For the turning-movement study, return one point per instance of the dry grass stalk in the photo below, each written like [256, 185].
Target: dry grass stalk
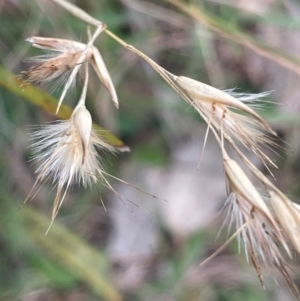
[77, 12]
[256, 227]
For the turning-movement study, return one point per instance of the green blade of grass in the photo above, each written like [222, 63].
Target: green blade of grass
[233, 33]
[71, 252]
[47, 102]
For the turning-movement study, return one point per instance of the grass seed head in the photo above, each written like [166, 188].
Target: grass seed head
[215, 106]
[202, 92]
[240, 184]
[258, 230]
[259, 237]
[64, 58]
[66, 154]
[63, 150]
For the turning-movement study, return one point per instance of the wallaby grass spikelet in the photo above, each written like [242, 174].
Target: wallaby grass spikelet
[65, 61]
[204, 93]
[261, 235]
[216, 107]
[66, 152]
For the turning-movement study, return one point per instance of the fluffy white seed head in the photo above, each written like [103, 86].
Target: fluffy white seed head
[65, 153]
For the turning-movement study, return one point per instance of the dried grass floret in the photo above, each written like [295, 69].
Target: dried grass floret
[225, 111]
[65, 61]
[259, 238]
[57, 68]
[240, 184]
[202, 92]
[66, 152]
[241, 128]
[62, 59]
[258, 230]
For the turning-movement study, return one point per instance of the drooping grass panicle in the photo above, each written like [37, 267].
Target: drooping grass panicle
[229, 118]
[286, 211]
[257, 229]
